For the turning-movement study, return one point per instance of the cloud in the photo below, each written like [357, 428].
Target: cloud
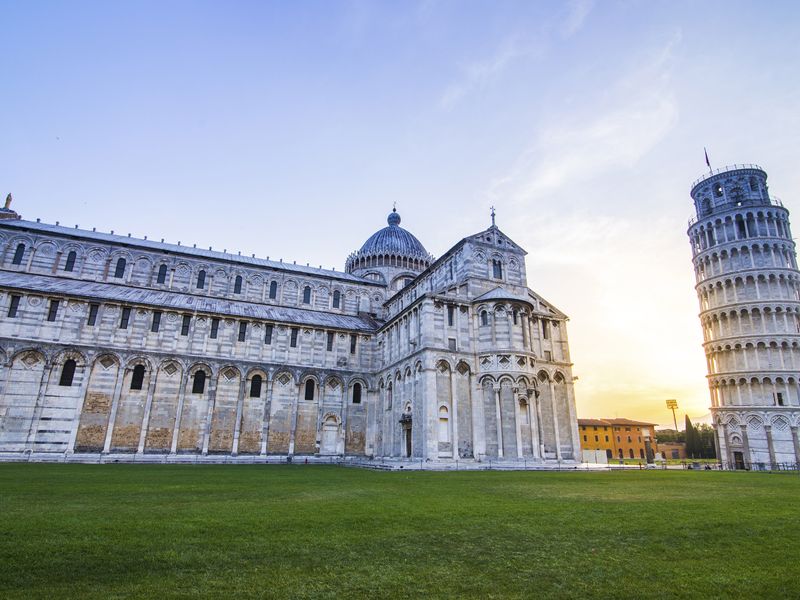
[480, 74]
[642, 110]
[577, 11]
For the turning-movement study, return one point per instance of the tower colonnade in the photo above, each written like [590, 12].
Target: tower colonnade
[748, 289]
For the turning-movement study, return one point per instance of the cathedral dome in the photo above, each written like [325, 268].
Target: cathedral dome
[391, 246]
[394, 240]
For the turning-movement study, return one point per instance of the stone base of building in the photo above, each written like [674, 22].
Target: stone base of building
[388, 464]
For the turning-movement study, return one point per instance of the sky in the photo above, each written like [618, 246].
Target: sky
[290, 129]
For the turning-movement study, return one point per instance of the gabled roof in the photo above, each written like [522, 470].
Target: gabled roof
[500, 293]
[494, 237]
[615, 421]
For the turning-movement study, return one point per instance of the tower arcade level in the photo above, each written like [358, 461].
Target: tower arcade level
[748, 288]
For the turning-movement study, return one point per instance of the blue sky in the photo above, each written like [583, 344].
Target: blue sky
[290, 129]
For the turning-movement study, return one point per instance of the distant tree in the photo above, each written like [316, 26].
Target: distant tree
[666, 436]
[693, 449]
[705, 436]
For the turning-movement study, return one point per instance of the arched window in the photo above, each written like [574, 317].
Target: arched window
[119, 272]
[630, 452]
[641, 453]
[199, 383]
[309, 389]
[255, 386]
[753, 184]
[67, 373]
[137, 380]
[237, 285]
[717, 193]
[444, 424]
[497, 269]
[273, 290]
[337, 298]
[307, 295]
[356, 393]
[18, 254]
[70, 265]
[162, 274]
[201, 279]
[484, 318]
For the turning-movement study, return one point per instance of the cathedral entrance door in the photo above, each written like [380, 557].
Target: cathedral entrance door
[738, 459]
[330, 436]
[407, 436]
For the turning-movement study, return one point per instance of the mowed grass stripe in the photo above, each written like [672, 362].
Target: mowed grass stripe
[163, 531]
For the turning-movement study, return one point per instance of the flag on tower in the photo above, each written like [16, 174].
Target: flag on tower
[708, 163]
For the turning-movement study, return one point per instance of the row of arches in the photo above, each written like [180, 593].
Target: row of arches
[740, 226]
[757, 256]
[745, 288]
[754, 391]
[138, 404]
[358, 261]
[722, 324]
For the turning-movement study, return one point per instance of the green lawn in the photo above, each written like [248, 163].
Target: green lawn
[155, 531]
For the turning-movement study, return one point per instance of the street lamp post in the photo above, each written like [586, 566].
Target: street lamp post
[673, 406]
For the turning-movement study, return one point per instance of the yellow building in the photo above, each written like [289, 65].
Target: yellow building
[619, 438]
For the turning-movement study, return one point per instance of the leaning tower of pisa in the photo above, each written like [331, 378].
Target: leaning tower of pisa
[748, 286]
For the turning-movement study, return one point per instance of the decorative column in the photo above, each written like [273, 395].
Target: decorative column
[496, 388]
[772, 461]
[179, 413]
[237, 428]
[293, 417]
[454, 406]
[796, 444]
[555, 419]
[266, 418]
[212, 401]
[533, 424]
[76, 421]
[518, 431]
[148, 405]
[114, 406]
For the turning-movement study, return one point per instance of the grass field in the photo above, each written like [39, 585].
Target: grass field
[155, 531]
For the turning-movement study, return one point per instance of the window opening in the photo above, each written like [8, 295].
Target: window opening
[214, 328]
[137, 379]
[67, 373]
[119, 272]
[53, 311]
[255, 386]
[14, 306]
[70, 264]
[156, 321]
[199, 383]
[93, 310]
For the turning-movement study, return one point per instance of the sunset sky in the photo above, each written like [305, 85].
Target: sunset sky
[289, 129]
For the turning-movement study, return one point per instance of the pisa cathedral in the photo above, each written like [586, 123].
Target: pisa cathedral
[748, 286]
[117, 348]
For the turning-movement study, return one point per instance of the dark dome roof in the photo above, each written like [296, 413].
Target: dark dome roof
[394, 240]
